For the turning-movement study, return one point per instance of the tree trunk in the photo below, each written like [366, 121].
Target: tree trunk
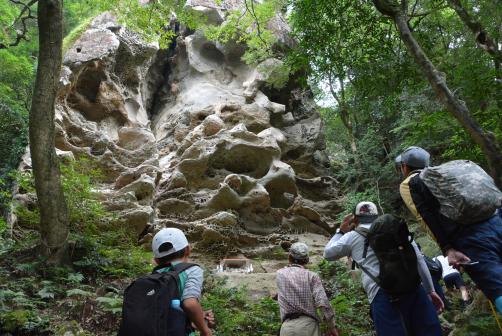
[54, 223]
[345, 114]
[456, 107]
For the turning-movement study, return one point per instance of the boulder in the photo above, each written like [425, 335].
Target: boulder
[136, 219]
[142, 188]
[259, 76]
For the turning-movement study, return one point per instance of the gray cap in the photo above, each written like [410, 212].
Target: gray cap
[299, 251]
[168, 235]
[415, 157]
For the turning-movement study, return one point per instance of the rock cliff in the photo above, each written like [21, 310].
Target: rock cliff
[192, 137]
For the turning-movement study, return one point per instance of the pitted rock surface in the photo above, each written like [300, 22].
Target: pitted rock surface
[193, 138]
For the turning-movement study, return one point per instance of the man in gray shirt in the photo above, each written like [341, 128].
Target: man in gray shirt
[414, 314]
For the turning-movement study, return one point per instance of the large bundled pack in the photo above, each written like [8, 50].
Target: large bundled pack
[467, 194]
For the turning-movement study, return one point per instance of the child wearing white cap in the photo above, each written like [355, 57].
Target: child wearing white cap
[170, 247]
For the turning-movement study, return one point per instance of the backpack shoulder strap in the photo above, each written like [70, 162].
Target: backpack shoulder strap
[372, 277]
[364, 232]
[181, 267]
[178, 268]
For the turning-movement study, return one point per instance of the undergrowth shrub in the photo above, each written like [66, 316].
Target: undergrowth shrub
[78, 181]
[347, 297]
[101, 252]
[236, 314]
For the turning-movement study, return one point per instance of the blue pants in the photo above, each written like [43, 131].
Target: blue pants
[483, 243]
[415, 310]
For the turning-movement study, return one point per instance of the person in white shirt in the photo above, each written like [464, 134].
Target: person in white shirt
[453, 279]
[413, 313]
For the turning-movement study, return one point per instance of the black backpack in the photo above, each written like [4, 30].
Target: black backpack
[147, 310]
[390, 240]
[434, 266]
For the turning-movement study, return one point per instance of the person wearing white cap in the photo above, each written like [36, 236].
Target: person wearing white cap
[170, 247]
[300, 294]
[416, 314]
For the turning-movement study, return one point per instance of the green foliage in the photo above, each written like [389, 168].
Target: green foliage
[16, 76]
[347, 298]
[10, 24]
[477, 324]
[236, 314]
[153, 21]
[15, 90]
[377, 86]
[278, 74]
[73, 327]
[3, 226]
[112, 304]
[122, 261]
[22, 320]
[85, 209]
[16, 82]
[78, 12]
[29, 288]
[78, 292]
[84, 206]
[247, 25]
[18, 308]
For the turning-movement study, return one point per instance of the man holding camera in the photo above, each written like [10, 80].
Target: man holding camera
[410, 313]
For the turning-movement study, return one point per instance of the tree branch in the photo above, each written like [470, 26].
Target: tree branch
[483, 40]
[457, 108]
[332, 89]
[253, 14]
[20, 34]
[427, 12]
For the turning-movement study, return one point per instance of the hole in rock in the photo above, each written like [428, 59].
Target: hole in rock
[89, 81]
[282, 192]
[294, 154]
[79, 50]
[244, 159]
[210, 52]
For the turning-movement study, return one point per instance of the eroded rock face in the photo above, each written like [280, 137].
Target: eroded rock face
[193, 138]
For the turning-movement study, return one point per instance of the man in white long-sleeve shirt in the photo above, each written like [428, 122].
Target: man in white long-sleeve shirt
[410, 314]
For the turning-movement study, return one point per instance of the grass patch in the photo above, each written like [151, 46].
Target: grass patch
[348, 299]
[236, 314]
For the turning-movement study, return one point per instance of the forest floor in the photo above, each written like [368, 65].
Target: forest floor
[85, 298]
